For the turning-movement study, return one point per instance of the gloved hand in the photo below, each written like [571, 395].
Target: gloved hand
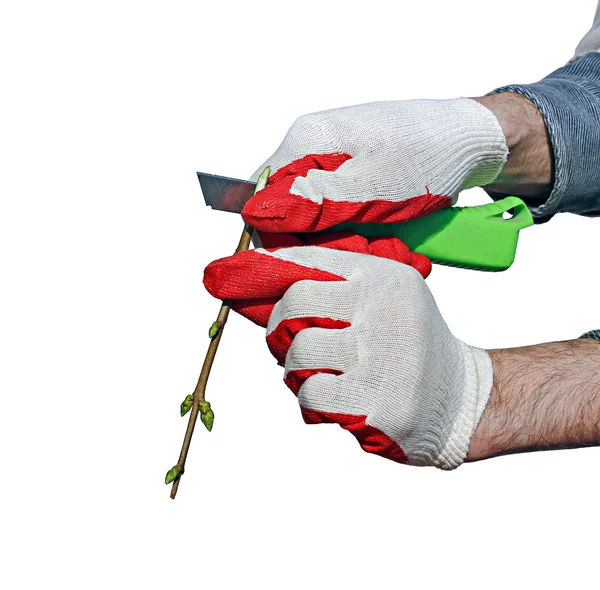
[364, 346]
[377, 162]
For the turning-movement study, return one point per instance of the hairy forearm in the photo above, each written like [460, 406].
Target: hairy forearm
[528, 170]
[543, 397]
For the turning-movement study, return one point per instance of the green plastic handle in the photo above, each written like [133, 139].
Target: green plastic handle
[469, 237]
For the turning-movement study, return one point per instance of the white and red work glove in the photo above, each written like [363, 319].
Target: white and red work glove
[364, 346]
[377, 162]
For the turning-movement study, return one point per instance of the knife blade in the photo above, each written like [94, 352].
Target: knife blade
[224, 193]
[479, 238]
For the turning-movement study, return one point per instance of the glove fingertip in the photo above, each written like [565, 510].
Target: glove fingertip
[225, 278]
[267, 206]
[392, 248]
[421, 263]
[214, 274]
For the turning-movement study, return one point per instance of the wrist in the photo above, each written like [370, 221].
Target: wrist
[489, 439]
[476, 385]
[528, 169]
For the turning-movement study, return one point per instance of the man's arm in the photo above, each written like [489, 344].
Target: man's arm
[554, 160]
[543, 397]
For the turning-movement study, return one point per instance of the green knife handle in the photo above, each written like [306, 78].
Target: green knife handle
[469, 237]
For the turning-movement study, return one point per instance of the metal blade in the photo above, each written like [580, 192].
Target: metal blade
[223, 193]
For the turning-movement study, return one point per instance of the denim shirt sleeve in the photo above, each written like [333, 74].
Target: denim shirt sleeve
[569, 102]
[593, 334]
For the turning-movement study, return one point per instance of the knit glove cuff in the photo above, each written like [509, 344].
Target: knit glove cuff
[478, 375]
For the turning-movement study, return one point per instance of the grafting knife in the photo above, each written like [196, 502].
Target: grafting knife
[479, 237]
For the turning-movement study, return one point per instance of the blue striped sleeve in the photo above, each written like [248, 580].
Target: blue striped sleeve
[569, 101]
[593, 334]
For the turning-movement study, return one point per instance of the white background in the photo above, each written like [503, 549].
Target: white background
[108, 109]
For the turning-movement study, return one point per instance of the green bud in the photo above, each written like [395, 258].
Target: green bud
[186, 405]
[204, 406]
[214, 330]
[172, 474]
[208, 419]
